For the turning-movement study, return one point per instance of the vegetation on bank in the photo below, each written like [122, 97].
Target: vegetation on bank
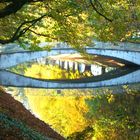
[86, 113]
[14, 129]
[44, 71]
[18, 123]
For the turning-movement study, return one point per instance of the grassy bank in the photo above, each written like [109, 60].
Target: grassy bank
[18, 123]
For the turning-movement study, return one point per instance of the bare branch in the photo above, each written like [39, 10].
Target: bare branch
[19, 32]
[44, 35]
[93, 6]
[13, 7]
[4, 1]
[98, 3]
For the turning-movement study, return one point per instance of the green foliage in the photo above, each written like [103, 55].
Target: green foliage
[86, 134]
[63, 22]
[19, 68]
[85, 114]
[112, 116]
[115, 116]
[72, 21]
[20, 128]
[125, 16]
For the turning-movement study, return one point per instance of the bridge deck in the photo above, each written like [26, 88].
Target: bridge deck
[97, 44]
[124, 52]
[12, 59]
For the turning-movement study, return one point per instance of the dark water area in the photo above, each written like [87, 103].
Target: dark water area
[80, 111]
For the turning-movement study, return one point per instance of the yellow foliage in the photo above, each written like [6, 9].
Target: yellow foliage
[52, 72]
[64, 114]
[45, 72]
[111, 98]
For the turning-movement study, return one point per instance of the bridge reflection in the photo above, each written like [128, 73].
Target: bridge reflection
[73, 66]
[116, 77]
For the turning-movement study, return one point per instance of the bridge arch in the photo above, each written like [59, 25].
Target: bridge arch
[108, 80]
[125, 56]
[11, 59]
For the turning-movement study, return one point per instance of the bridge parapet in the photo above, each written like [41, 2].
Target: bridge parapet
[117, 45]
[11, 59]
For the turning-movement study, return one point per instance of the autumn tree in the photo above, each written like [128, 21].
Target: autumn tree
[75, 22]
[112, 116]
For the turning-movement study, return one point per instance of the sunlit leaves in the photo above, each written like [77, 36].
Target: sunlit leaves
[51, 72]
[75, 22]
[115, 116]
[102, 115]
[64, 114]
[125, 20]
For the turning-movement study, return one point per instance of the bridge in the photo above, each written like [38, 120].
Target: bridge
[11, 59]
[124, 77]
[128, 56]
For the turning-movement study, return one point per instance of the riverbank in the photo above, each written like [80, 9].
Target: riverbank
[18, 123]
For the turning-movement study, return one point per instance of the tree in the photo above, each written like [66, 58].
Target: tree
[115, 116]
[42, 71]
[72, 21]
[45, 21]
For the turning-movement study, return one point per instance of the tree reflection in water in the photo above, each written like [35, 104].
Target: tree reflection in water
[105, 113]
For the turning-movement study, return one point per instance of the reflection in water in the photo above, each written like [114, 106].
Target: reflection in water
[120, 76]
[44, 68]
[105, 113]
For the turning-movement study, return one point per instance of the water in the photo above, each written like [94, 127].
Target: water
[44, 68]
[84, 113]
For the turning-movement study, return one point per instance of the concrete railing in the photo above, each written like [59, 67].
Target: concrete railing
[12, 59]
[11, 79]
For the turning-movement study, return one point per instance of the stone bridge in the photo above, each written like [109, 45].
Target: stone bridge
[125, 76]
[11, 59]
